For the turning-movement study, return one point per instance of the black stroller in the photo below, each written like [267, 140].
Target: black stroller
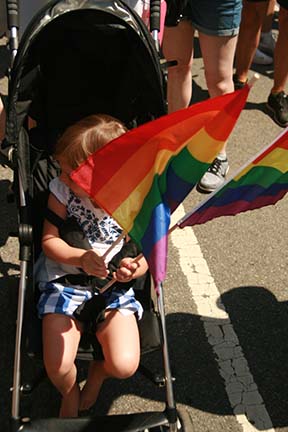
[79, 57]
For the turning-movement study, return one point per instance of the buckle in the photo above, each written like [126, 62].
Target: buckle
[93, 283]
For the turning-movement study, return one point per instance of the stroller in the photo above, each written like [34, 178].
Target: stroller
[79, 57]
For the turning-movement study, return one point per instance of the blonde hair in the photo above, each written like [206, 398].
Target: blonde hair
[86, 136]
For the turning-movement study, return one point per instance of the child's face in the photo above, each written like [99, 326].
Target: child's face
[65, 177]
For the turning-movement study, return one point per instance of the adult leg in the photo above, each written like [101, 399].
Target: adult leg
[253, 14]
[280, 56]
[61, 336]
[218, 55]
[277, 104]
[119, 338]
[178, 45]
[265, 52]
[268, 19]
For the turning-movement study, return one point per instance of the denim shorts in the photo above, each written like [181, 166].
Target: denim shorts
[214, 17]
[283, 3]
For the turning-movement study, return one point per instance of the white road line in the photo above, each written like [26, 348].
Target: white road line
[242, 391]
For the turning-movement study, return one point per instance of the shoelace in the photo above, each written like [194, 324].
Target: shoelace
[215, 167]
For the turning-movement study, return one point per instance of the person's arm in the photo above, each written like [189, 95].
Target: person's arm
[58, 250]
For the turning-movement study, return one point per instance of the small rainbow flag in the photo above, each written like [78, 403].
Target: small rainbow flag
[261, 182]
[142, 176]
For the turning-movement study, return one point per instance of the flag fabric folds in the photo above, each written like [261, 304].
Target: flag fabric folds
[262, 182]
[142, 176]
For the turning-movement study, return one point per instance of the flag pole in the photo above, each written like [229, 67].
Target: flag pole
[252, 80]
[115, 243]
[236, 173]
[107, 286]
[104, 256]
[112, 281]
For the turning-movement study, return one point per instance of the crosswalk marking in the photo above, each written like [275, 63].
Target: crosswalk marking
[242, 391]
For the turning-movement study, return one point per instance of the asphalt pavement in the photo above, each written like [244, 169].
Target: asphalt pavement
[242, 260]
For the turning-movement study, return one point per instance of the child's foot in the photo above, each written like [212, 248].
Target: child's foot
[91, 389]
[70, 403]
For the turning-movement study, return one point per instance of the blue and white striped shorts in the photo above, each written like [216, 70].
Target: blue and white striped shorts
[57, 298]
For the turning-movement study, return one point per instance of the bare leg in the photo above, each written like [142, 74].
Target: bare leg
[96, 377]
[178, 45]
[250, 29]
[280, 54]
[218, 56]
[61, 336]
[268, 19]
[119, 338]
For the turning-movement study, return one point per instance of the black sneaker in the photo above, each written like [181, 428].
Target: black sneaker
[238, 85]
[277, 107]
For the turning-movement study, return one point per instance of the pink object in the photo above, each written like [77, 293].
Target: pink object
[162, 19]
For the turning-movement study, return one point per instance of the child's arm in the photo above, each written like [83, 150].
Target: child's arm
[58, 250]
[131, 268]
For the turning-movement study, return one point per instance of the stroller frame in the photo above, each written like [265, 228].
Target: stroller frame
[169, 419]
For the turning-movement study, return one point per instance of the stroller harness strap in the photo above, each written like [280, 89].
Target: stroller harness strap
[82, 280]
[71, 232]
[94, 282]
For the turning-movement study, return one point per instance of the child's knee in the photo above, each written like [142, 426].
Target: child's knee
[125, 365]
[58, 369]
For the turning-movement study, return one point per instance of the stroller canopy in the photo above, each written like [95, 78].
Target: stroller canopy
[79, 57]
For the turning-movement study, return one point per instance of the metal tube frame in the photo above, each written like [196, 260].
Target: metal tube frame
[14, 41]
[167, 369]
[19, 324]
[17, 355]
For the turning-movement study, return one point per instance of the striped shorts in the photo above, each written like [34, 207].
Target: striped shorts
[61, 299]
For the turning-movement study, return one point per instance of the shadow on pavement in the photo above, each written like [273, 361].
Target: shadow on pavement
[261, 324]
[258, 319]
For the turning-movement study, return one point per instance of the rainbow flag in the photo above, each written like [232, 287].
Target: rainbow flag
[142, 176]
[261, 182]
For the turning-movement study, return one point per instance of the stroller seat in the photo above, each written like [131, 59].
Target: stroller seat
[44, 169]
[78, 58]
[79, 76]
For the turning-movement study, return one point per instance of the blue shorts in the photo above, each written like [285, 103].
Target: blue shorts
[283, 3]
[214, 17]
[61, 299]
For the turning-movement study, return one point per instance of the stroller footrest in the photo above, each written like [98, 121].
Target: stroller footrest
[135, 422]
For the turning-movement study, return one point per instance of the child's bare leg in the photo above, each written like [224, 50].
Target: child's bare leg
[119, 338]
[70, 402]
[96, 377]
[61, 336]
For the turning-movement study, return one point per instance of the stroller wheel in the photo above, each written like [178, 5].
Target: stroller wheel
[184, 423]
[184, 420]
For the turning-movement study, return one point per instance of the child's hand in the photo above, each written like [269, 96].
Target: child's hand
[126, 270]
[93, 264]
